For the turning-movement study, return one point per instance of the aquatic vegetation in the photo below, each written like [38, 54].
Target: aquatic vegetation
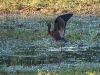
[24, 44]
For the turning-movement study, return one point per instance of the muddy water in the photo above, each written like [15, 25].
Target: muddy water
[18, 52]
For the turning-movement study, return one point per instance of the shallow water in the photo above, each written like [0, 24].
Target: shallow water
[23, 54]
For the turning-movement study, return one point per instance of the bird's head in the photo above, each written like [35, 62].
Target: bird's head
[49, 25]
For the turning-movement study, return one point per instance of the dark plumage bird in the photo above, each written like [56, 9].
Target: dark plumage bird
[59, 27]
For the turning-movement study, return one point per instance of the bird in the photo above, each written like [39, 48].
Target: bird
[59, 27]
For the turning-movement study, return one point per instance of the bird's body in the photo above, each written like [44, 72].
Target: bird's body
[59, 27]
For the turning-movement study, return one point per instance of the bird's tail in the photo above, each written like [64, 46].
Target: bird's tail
[63, 39]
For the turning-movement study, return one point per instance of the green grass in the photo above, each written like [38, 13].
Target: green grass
[22, 34]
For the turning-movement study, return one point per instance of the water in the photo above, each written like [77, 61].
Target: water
[45, 52]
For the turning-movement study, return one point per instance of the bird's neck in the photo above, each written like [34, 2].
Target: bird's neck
[51, 33]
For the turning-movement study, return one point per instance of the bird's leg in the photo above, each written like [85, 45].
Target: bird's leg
[60, 46]
[61, 51]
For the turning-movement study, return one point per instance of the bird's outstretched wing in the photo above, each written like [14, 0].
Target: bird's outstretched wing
[60, 21]
[59, 24]
[65, 17]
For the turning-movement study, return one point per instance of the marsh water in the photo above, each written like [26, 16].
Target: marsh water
[37, 50]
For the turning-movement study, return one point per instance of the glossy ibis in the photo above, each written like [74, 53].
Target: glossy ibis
[59, 27]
